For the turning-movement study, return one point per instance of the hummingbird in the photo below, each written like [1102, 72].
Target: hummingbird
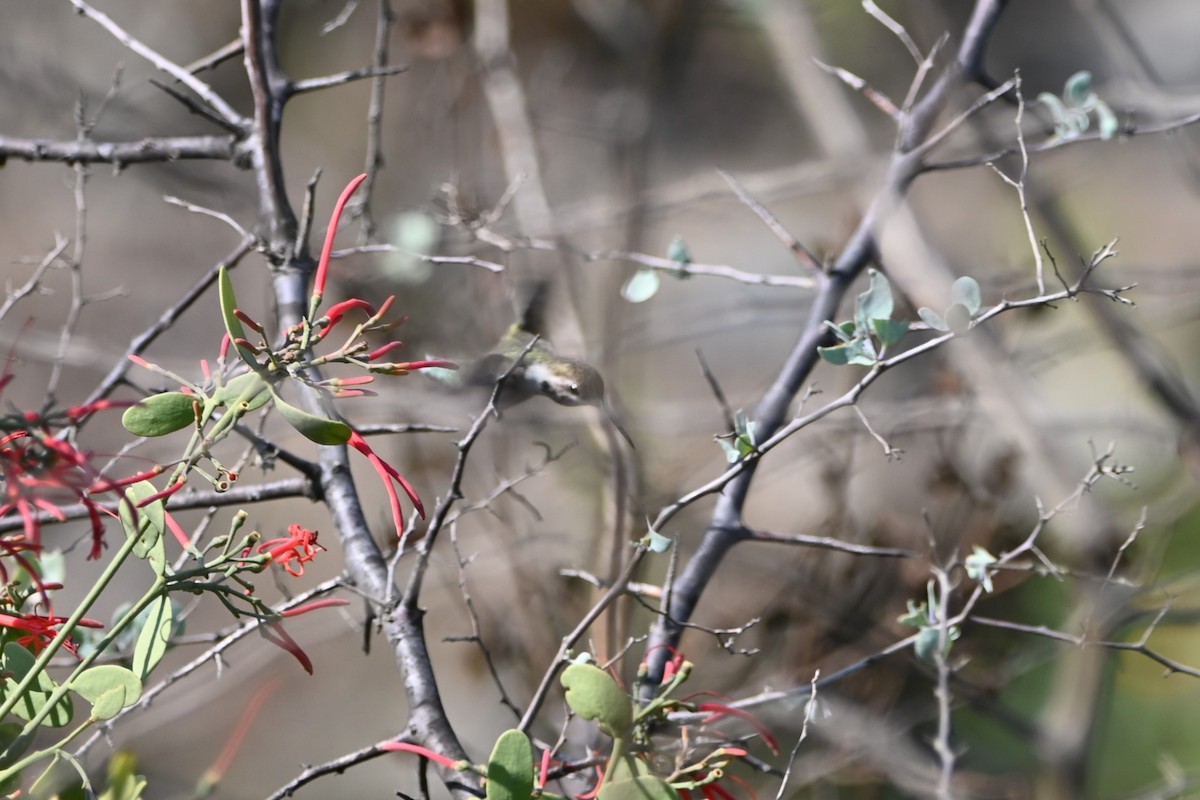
[530, 366]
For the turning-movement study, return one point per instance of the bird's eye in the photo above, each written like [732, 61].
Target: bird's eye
[574, 389]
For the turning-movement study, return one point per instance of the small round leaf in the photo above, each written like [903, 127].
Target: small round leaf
[933, 319]
[642, 286]
[109, 688]
[965, 291]
[593, 694]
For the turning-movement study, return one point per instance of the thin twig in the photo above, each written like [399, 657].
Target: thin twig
[811, 262]
[179, 73]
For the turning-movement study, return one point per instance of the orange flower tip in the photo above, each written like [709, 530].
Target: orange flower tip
[141, 362]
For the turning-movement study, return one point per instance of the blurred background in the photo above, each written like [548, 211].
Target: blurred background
[623, 112]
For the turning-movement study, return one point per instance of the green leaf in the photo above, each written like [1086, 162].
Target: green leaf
[875, 303]
[862, 352]
[9, 731]
[835, 355]
[123, 781]
[1063, 127]
[678, 251]
[510, 768]
[1078, 88]
[933, 319]
[646, 787]
[926, 642]
[917, 616]
[318, 429]
[233, 325]
[1106, 120]
[642, 286]
[965, 290]
[249, 388]
[109, 688]
[958, 318]
[158, 625]
[655, 542]
[889, 331]
[744, 427]
[17, 662]
[593, 694]
[160, 414]
[731, 452]
[843, 331]
[147, 523]
[977, 565]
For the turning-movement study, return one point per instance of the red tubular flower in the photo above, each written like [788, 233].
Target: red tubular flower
[40, 630]
[274, 633]
[405, 367]
[338, 310]
[328, 602]
[389, 474]
[380, 352]
[330, 234]
[38, 472]
[718, 710]
[293, 551]
[425, 752]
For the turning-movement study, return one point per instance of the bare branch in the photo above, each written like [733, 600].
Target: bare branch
[349, 76]
[177, 72]
[150, 149]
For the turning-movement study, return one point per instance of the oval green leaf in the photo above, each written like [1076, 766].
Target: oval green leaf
[17, 663]
[510, 769]
[158, 625]
[160, 414]
[642, 286]
[146, 523]
[109, 688]
[958, 318]
[933, 319]
[593, 694]
[965, 291]
[318, 429]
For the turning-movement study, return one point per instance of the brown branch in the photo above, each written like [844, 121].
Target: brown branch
[725, 528]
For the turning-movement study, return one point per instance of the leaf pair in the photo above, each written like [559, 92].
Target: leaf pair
[862, 339]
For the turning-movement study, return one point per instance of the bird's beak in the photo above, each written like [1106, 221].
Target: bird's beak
[608, 412]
